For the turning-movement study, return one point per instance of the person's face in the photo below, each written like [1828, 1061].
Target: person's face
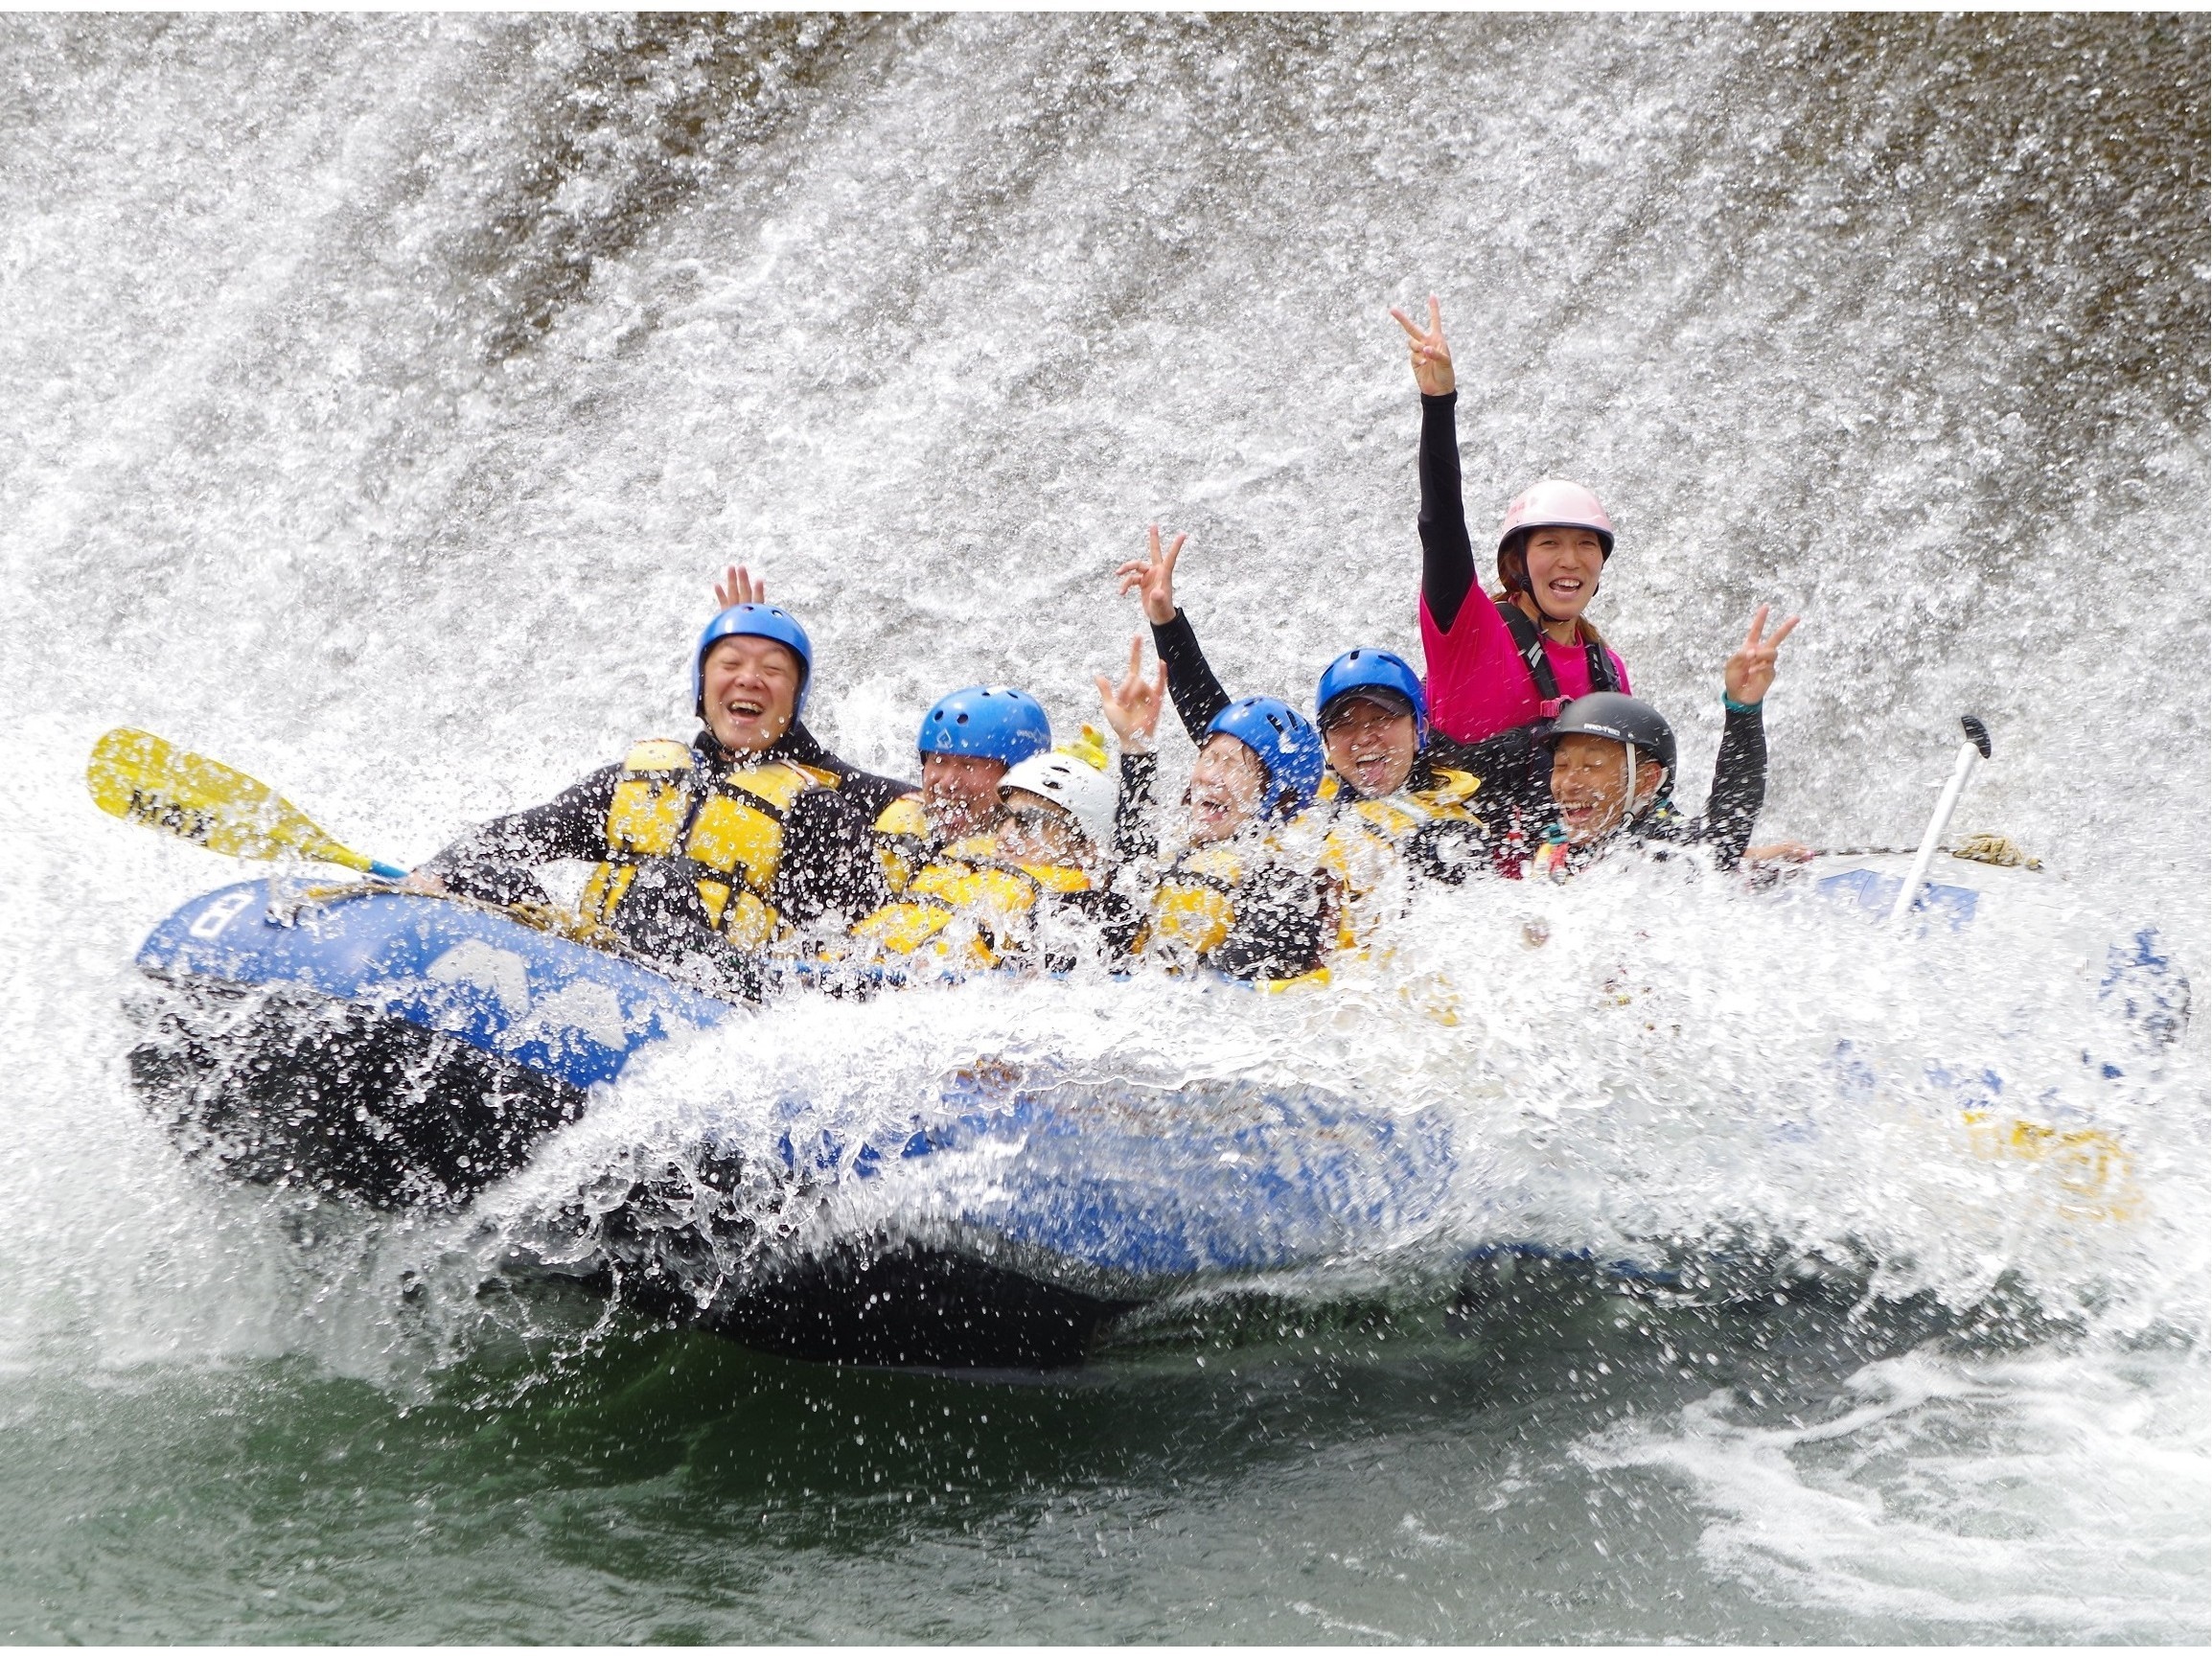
[751, 688]
[1590, 785]
[1564, 565]
[1224, 788]
[959, 793]
[1370, 746]
[1034, 830]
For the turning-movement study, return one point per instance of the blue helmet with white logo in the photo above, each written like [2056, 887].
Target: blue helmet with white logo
[759, 622]
[996, 722]
[1286, 742]
[1363, 669]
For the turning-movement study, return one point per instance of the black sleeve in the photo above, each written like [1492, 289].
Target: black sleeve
[828, 868]
[1198, 696]
[493, 861]
[1135, 836]
[1447, 556]
[1739, 786]
[1113, 913]
[1277, 936]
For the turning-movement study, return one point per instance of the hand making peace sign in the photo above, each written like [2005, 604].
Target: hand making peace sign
[1432, 357]
[1749, 674]
[1153, 578]
[1133, 707]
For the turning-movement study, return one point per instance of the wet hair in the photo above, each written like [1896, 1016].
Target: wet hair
[1589, 629]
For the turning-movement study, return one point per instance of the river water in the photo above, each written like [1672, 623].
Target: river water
[377, 395]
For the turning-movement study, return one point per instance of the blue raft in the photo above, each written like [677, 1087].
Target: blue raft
[405, 1052]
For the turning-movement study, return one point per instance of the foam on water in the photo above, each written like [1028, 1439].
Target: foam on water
[2040, 1498]
[380, 394]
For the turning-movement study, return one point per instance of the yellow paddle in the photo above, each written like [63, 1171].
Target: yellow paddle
[140, 779]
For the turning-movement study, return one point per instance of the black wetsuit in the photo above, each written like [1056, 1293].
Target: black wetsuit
[1731, 806]
[827, 873]
[1281, 913]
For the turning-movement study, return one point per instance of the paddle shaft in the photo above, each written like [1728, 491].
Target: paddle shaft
[1910, 895]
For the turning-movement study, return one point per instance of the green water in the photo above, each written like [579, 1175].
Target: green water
[1388, 1477]
[379, 394]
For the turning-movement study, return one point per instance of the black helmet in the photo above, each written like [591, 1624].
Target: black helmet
[1625, 720]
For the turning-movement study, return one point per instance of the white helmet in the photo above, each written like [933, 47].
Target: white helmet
[1084, 789]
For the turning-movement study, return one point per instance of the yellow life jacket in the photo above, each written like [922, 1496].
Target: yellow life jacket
[1194, 906]
[731, 826]
[902, 833]
[1363, 836]
[968, 880]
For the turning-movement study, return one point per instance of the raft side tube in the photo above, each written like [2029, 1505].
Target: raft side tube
[284, 1088]
[564, 1010]
[395, 1049]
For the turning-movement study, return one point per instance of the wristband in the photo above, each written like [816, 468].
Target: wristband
[1735, 708]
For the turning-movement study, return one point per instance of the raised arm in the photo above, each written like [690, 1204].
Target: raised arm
[740, 586]
[1133, 711]
[1190, 680]
[1740, 773]
[1448, 555]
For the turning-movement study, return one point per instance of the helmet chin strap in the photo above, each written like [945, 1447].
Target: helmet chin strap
[1528, 586]
[1628, 803]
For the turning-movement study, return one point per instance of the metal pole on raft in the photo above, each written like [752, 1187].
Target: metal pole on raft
[1975, 747]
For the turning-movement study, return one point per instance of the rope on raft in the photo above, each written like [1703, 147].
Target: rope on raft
[1982, 850]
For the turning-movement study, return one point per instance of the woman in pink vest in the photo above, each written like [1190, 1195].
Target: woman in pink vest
[1499, 669]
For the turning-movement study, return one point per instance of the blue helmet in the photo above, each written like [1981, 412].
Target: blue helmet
[1363, 668]
[1287, 746]
[996, 722]
[761, 622]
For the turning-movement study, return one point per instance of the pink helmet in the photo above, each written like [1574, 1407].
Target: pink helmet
[1550, 501]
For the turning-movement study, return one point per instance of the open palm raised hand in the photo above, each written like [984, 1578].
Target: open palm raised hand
[739, 587]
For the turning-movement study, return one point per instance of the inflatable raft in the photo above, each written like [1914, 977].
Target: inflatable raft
[405, 1052]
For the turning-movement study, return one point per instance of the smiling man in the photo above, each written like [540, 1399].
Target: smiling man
[1613, 779]
[968, 741]
[705, 854]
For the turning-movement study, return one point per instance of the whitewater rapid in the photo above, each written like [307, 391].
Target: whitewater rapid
[380, 394]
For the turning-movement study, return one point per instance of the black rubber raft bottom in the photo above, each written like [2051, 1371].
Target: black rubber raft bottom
[277, 1088]
[910, 1306]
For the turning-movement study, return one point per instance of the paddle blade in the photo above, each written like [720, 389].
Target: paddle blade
[140, 779]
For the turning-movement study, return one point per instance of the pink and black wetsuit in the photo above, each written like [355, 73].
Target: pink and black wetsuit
[1479, 683]
[1493, 676]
